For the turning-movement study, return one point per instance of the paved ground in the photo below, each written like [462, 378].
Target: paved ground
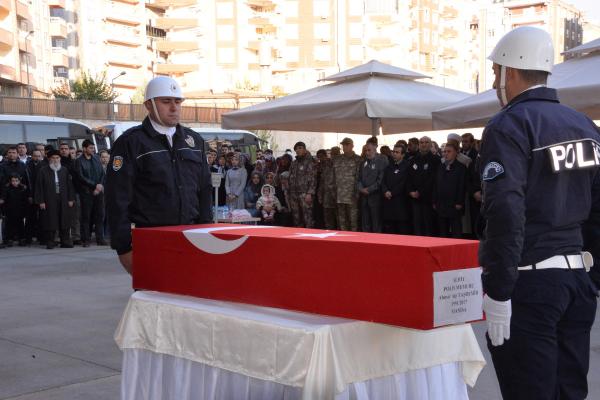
[58, 312]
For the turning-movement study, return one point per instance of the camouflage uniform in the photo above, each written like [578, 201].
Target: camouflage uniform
[327, 195]
[302, 182]
[346, 167]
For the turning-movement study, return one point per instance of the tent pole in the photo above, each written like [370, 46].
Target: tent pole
[375, 127]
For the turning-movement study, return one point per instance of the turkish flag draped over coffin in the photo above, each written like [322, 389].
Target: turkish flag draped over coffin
[366, 276]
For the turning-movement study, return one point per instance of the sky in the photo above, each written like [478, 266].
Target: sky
[590, 7]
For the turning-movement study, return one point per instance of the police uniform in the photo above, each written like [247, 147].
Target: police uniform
[151, 183]
[540, 182]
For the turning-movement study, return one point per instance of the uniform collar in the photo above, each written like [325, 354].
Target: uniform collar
[537, 93]
[149, 129]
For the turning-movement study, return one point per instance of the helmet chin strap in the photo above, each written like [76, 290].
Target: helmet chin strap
[158, 116]
[503, 99]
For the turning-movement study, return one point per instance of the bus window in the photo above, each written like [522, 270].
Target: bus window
[10, 134]
[41, 132]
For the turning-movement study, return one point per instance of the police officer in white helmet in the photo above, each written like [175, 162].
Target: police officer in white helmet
[541, 206]
[157, 174]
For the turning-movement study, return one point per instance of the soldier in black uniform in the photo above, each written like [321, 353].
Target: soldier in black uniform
[158, 174]
[541, 183]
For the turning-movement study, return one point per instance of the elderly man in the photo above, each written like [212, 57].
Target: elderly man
[55, 196]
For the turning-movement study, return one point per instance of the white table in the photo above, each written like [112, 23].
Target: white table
[186, 348]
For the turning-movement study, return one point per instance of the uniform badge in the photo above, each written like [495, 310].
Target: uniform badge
[492, 171]
[396, 171]
[117, 163]
[190, 141]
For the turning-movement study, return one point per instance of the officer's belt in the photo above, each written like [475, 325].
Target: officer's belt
[571, 261]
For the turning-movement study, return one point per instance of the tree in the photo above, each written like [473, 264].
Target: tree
[94, 88]
[267, 139]
[63, 92]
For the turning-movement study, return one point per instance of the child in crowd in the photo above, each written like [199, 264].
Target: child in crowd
[268, 204]
[15, 207]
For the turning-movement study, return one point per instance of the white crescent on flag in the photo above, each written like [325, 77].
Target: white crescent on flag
[202, 239]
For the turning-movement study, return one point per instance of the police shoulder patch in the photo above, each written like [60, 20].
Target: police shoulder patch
[492, 171]
[117, 163]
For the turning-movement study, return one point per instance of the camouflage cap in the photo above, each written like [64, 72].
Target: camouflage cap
[347, 140]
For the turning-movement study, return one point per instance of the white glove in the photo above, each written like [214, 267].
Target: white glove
[497, 315]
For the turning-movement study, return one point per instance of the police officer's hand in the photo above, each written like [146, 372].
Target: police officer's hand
[126, 261]
[388, 195]
[42, 206]
[477, 196]
[70, 203]
[497, 315]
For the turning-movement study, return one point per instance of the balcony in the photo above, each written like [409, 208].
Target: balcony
[127, 59]
[7, 72]
[381, 19]
[261, 4]
[123, 35]
[60, 57]
[7, 39]
[449, 13]
[381, 43]
[528, 17]
[175, 68]
[26, 45]
[449, 53]
[449, 33]
[172, 23]
[449, 71]
[23, 11]
[123, 14]
[58, 27]
[171, 3]
[176, 45]
[57, 3]
[5, 7]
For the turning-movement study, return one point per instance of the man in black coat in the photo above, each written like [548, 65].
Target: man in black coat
[55, 195]
[422, 172]
[91, 178]
[449, 193]
[396, 215]
[31, 220]
[68, 162]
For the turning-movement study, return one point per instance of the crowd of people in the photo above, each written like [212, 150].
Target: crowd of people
[415, 188]
[48, 194]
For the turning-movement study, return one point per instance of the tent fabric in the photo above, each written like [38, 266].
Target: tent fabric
[375, 68]
[588, 47]
[350, 106]
[577, 81]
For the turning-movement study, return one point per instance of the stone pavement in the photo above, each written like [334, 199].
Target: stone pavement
[58, 312]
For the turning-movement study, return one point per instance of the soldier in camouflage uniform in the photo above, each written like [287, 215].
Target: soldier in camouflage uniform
[302, 187]
[326, 193]
[346, 167]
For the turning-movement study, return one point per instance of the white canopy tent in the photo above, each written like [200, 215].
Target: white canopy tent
[360, 100]
[577, 81]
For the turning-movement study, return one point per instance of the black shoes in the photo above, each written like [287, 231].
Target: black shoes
[101, 242]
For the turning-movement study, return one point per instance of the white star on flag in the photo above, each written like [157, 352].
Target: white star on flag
[320, 235]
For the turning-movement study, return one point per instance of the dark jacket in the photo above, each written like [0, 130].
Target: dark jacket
[541, 183]
[150, 183]
[449, 189]
[15, 201]
[89, 173]
[14, 168]
[395, 179]
[370, 176]
[32, 170]
[421, 176]
[57, 215]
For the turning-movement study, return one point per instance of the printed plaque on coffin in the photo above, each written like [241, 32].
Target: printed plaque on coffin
[457, 296]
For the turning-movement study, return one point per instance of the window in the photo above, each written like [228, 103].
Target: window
[322, 53]
[290, 8]
[291, 31]
[291, 53]
[41, 132]
[59, 42]
[11, 132]
[355, 8]
[381, 6]
[356, 52]
[321, 8]
[224, 10]
[226, 55]
[356, 30]
[322, 31]
[225, 32]
[57, 12]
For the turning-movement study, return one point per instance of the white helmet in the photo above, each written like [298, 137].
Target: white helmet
[162, 86]
[525, 47]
